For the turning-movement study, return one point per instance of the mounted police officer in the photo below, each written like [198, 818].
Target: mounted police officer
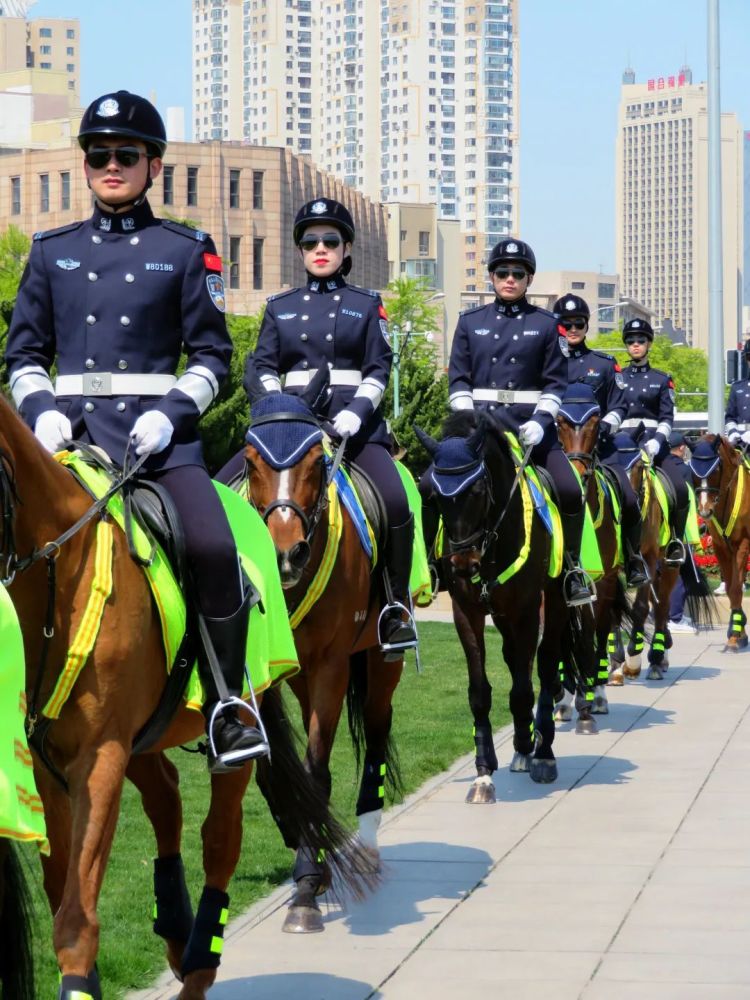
[737, 414]
[649, 393]
[604, 375]
[331, 322]
[113, 301]
[507, 355]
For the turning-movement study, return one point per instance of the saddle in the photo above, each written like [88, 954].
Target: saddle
[372, 503]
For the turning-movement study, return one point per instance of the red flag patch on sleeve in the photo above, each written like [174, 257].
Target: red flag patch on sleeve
[617, 367]
[212, 261]
[670, 384]
[381, 311]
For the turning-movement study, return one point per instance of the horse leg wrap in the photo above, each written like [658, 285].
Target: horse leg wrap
[656, 655]
[602, 674]
[635, 645]
[173, 912]
[737, 622]
[372, 787]
[484, 747]
[308, 863]
[206, 941]
[80, 987]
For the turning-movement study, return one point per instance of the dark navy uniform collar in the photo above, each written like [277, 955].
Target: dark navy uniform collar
[579, 351]
[512, 308]
[323, 285]
[131, 221]
[641, 366]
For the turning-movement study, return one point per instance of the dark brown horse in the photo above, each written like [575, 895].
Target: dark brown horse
[89, 744]
[16, 926]
[722, 489]
[333, 598]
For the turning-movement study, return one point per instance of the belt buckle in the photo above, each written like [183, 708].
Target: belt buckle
[97, 384]
[505, 396]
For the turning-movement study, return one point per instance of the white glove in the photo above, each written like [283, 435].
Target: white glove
[653, 447]
[734, 437]
[346, 422]
[151, 433]
[462, 402]
[745, 438]
[53, 429]
[531, 433]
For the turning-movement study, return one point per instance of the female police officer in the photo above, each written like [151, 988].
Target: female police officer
[649, 394]
[507, 354]
[331, 322]
[114, 300]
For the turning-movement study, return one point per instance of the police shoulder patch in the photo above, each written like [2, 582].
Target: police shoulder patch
[188, 231]
[47, 233]
[215, 285]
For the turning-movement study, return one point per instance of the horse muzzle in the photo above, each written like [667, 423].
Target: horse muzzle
[292, 562]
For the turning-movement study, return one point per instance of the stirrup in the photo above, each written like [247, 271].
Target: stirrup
[232, 759]
[643, 571]
[675, 560]
[589, 597]
[397, 647]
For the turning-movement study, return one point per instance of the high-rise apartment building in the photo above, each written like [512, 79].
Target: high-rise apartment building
[406, 100]
[49, 45]
[662, 204]
[217, 69]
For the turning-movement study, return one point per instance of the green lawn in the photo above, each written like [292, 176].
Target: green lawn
[432, 728]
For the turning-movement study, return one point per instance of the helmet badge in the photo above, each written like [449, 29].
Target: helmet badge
[108, 108]
[319, 208]
[511, 248]
[636, 324]
[570, 304]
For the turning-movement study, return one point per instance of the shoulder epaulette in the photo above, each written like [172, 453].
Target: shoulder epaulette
[280, 295]
[188, 231]
[364, 291]
[544, 312]
[46, 233]
[658, 371]
[472, 309]
[603, 354]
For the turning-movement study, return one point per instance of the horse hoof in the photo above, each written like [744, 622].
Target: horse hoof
[586, 727]
[303, 920]
[563, 713]
[616, 679]
[481, 792]
[520, 762]
[543, 772]
[654, 673]
[600, 705]
[631, 671]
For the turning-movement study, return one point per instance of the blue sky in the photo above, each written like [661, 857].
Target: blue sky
[572, 56]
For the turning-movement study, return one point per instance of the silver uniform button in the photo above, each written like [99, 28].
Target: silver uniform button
[515, 336]
[90, 362]
[134, 241]
[122, 364]
[497, 336]
[494, 361]
[93, 275]
[125, 320]
[303, 336]
[336, 298]
[332, 315]
[88, 407]
[130, 277]
[305, 317]
[305, 364]
[512, 361]
[91, 319]
[305, 298]
[121, 407]
[329, 336]
[96, 239]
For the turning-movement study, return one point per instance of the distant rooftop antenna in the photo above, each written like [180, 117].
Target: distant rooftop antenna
[15, 8]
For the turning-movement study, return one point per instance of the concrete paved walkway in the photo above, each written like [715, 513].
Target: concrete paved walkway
[628, 878]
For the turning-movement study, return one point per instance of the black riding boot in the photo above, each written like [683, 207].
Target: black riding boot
[231, 742]
[635, 568]
[395, 634]
[674, 554]
[577, 587]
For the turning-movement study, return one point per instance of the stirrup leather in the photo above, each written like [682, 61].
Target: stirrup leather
[219, 763]
[396, 647]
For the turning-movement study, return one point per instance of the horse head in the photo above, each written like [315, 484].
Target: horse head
[578, 426]
[461, 487]
[713, 463]
[287, 470]
[629, 456]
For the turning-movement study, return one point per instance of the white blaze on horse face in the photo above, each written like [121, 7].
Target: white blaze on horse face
[704, 499]
[285, 513]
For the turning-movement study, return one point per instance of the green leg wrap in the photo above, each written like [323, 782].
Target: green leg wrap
[206, 941]
[372, 787]
[737, 621]
[602, 674]
[80, 987]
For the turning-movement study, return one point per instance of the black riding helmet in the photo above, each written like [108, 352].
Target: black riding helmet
[639, 326]
[123, 114]
[571, 307]
[512, 251]
[326, 210]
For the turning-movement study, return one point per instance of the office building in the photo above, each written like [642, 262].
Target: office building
[662, 204]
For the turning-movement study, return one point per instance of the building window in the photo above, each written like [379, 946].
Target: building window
[257, 264]
[192, 186]
[580, 285]
[45, 65]
[65, 190]
[258, 191]
[15, 196]
[234, 261]
[168, 183]
[606, 291]
[70, 33]
[234, 188]
[45, 32]
[46, 50]
[424, 244]
[44, 192]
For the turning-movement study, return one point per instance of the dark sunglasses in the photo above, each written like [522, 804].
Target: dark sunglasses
[329, 242]
[636, 340]
[126, 156]
[573, 324]
[519, 273]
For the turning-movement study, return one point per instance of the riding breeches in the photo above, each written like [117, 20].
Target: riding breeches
[210, 548]
[377, 462]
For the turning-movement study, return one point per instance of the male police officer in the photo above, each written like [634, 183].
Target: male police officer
[114, 300]
[737, 414]
[506, 354]
[650, 400]
[603, 374]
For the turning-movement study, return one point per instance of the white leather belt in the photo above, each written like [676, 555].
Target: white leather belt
[506, 395]
[337, 376]
[635, 421]
[113, 384]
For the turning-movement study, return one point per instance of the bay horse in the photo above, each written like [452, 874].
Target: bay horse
[496, 556]
[89, 745]
[578, 430]
[333, 598]
[16, 926]
[722, 488]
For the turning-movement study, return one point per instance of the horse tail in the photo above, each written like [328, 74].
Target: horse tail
[300, 806]
[356, 696]
[622, 607]
[699, 599]
[16, 921]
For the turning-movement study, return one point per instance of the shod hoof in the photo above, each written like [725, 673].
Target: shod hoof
[563, 713]
[631, 671]
[520, 762]
[586, 727]
[616, 679]
[600, 705]
[481, 792]
[543, 772]
[655, 673]
[303, 920]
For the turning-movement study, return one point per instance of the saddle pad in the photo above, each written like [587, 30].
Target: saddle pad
[661, 496]
[271, 655]
[21, 810]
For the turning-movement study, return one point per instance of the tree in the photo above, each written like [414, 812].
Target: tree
[14, 252]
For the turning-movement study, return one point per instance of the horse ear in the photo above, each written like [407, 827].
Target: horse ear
[429, 444]
[317, 387]
[253, 386]
[475, 441]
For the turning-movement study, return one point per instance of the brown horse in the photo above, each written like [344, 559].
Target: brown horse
[333, 599]
[722, 489]
[16, 926]
[89, 744]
